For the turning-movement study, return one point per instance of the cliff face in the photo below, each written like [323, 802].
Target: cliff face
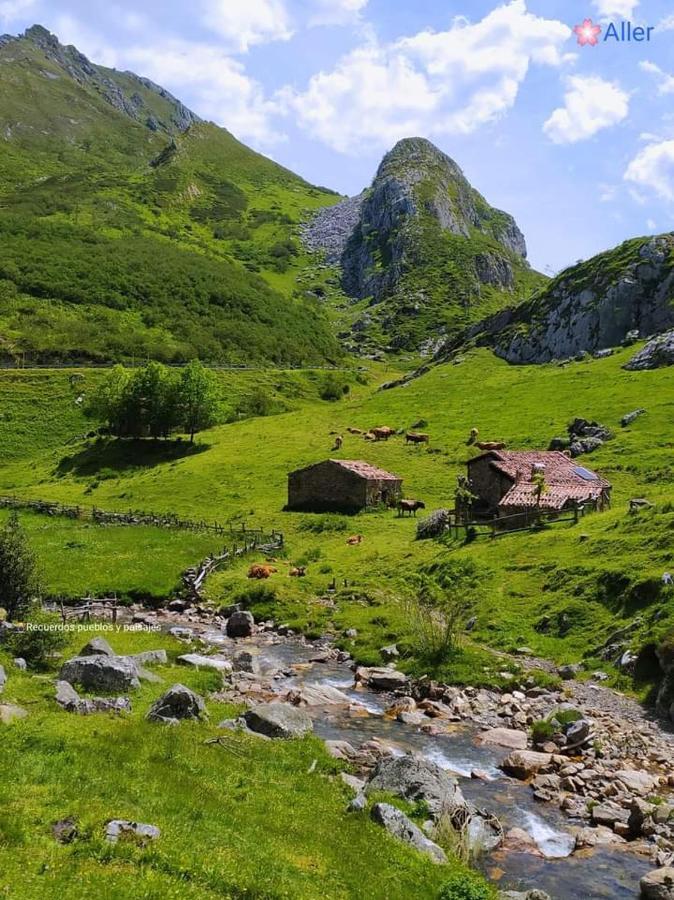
[424, 248]
[591, 306]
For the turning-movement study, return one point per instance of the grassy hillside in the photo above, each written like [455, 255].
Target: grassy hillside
[588, 580]
[250, 819]
[127, 236]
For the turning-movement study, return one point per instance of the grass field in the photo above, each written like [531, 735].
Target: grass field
[245, 820]
[587, 579]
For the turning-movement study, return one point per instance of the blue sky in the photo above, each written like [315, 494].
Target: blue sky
[577, 142]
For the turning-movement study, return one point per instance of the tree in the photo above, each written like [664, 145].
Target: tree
[197, 398]
[19, 583]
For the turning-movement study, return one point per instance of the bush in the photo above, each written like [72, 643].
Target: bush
[465, 887]
[542, 731]
[321, 524]
[37, 646]
[333, 388]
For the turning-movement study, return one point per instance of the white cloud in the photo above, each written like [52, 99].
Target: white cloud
[615, 9]
[590, 104]
[12, 10]
[651, 224]
[335, 12]
[664, 79]
[217, 85]
[653, 168]
[667, 24]
[452, 81]
[244, 23]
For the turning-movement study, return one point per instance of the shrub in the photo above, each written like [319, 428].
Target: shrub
[333, 388]
[18, 573]
[321, 524]
[542, 731]
[465, 887]
[36, 646]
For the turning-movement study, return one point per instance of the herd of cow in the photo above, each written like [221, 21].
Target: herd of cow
[383, 433]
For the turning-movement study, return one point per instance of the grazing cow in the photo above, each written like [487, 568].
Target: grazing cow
[258, 570]
[490, 445]
[474, 433]
[297, 571]
[410, 507]
[354, 430]
[383, 433]
[355, 539]
[416, 437]
[368, 436]
[339, 440]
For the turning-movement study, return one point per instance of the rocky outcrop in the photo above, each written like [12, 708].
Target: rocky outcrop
[69, 700]
[608, 300]
[278, 720]
[417, 780]
[658, 352]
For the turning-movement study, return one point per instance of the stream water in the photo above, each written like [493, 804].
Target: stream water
[599, 873]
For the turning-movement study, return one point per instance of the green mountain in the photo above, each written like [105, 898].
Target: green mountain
[131, 228]
[422, 251]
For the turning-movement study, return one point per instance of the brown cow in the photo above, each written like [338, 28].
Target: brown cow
[258, 570]
[490, 445]
[416, 437]
[298, 571]
[355, 539]
[339, 440]
[382, 433]
[410, 507]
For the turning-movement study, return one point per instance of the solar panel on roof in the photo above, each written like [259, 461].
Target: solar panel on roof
[585, 473]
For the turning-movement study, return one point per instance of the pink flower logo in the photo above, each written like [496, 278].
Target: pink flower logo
[587, 33]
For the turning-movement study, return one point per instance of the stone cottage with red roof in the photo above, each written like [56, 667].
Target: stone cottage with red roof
[508, 482]
[341, 485]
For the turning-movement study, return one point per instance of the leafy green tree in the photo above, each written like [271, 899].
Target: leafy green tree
[110, 401]
[19, 583]
[197, 398]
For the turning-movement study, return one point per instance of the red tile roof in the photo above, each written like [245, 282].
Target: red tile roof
[365, 470]
[565, 478]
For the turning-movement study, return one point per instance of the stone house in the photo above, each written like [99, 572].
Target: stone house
[341, 485]
[511, 482]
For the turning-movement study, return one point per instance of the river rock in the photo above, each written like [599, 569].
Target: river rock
[101, 673]
[240, 624]
[120, 827]
[205, 662]
[517, 840]
[658, 885]
[179, 702]
[637, 782]
[417, 780]
[397, 824]
[97, 646]
[9, 713]
[609, 813]
[318, 695]
[593, 837]
[523, 764]
[341, 750]
[245, 661]
[578, 732]
[381, 679]
[504, 737]
[278, 720]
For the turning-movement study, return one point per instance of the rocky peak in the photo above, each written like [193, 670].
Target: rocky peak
[105, 82]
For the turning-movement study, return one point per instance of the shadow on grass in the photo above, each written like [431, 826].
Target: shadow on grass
[113, 456]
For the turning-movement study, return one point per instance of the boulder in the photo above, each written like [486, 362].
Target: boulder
[179, 702]
[65, 830]
[609, 813]
[578, 732]
[150, 658]
[97, 646]
[397, 824]
[628, 418]
[596, 837]
[658, 884]
[390, 652]
[120, 828]
[205, 662]
[9, 712]
[569, 672]
[318, 695]
[240, 624]
[504, 737]
[68, 699]
[517, 840]
[637, 782]
[66, 696]
[639, 813]
[278, 720]
[523, 764]
[381, 679]
[415, 780]
[20, 664]
[101, 673]
[245, 661]
[657, 352]
[181, 632]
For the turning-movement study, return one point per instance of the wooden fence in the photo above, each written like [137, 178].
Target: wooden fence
[525, 520]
